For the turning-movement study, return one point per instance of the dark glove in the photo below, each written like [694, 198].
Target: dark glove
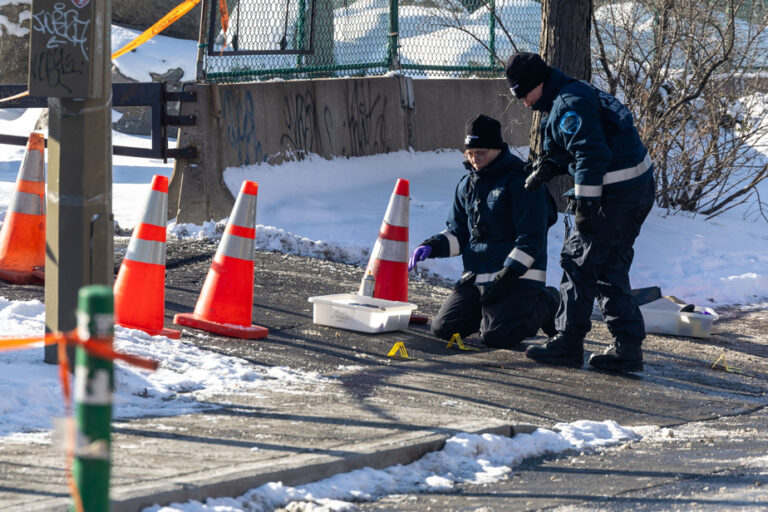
[421, 253]
[587, 215]
[497, 288]
[541, 170]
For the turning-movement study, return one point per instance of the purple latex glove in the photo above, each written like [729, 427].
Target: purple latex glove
[421, 253]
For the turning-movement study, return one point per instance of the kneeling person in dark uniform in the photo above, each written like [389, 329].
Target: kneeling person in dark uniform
[590, 134]
[500, 230]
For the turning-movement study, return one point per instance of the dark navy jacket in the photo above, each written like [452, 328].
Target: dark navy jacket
[495, 222]
[592, 133]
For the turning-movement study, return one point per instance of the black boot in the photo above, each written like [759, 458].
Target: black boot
[552, 298]
[619, 358]
[562, 350]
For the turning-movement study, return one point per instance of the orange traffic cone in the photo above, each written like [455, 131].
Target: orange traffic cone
[225, 305]
[22, 237]
[140, 284]
[389, 258]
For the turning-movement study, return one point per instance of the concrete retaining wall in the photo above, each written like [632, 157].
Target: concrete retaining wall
[243, 124]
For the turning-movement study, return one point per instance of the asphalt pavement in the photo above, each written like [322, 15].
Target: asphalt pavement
[378, 411]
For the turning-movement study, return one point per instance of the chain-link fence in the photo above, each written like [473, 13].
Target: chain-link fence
[269, 39]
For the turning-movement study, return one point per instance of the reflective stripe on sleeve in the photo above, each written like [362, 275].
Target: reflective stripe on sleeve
[453, 243]
[532, 274]
[235, 246]
[146, 251]
[485, 278]
[24, 202]
[390, 250]
[397, 211]
[157, 209]
[628, 173]
[588, 190]
[535, 275]
[522, 257]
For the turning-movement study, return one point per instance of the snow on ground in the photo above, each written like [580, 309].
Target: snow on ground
[341, 202]
[30, 390]
[465, 458]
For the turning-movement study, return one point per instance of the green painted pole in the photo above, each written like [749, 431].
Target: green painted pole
[94, 384]
[492, 35]
[300, 32]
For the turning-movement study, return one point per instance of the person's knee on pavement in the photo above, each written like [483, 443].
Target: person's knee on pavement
[495, 339]
[439, 330]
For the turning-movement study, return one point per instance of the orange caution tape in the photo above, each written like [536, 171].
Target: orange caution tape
[95, 348]
[163, 23]
[15, 96]
[69, 426]
[224, 15]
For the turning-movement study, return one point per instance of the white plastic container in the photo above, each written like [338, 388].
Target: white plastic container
[360, 313]
[663, 316]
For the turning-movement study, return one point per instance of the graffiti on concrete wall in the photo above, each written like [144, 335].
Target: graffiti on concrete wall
[365, 119]
[239, 117]
[301, 135]
[348, 119]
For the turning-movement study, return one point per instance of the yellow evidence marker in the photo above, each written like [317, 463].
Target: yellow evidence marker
[398, 351]
[456, 338]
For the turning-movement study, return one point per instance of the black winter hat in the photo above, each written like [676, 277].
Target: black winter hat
[524, 72]
[483, 132]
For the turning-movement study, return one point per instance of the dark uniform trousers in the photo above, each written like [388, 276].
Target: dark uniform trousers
[597, 266]
[502, 324]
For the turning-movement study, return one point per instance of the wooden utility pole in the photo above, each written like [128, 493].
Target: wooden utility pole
[70, 62]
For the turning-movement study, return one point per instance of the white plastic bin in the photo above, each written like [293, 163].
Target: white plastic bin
[361, 313]
[663, 316]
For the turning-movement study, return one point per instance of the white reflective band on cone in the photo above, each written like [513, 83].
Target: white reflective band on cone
[146, 251]
[156, 210]
[397, 211]
[532, 274]
[629, 172]
[236, 246]
[244, 211]
[521, 256]
[32, 166]
[390, 250]
[24, 202]
[453, 243]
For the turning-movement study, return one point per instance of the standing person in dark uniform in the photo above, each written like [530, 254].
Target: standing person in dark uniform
[500, 230]
[592, 135]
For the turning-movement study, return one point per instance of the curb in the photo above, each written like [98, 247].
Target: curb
[292, 471]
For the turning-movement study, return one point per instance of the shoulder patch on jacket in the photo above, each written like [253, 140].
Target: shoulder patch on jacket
[570, 122]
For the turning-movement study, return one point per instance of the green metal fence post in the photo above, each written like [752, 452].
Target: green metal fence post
[300, 31]
[393, 62]
[492, 35]
[94, 384]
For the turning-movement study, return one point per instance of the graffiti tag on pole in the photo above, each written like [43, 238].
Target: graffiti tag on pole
[60, 49]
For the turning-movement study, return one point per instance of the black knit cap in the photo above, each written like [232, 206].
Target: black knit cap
[484, 132]
[524, 72]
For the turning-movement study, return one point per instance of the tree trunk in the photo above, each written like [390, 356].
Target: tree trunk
[565, 44]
